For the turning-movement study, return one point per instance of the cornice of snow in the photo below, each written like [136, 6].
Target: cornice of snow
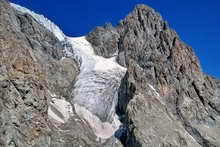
[43, 21]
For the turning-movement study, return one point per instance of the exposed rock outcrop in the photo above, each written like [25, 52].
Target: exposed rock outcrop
[60, 91]
[32, 75]
[166, 99]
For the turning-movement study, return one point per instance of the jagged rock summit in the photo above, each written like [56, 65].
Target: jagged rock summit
[133, 85]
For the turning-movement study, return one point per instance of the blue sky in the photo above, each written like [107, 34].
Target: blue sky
[196, 21]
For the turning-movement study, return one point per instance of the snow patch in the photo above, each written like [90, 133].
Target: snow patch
[154, 90]
[103, 130]
[60, 110]
[53, 116]
[158, 97]
[53, 95]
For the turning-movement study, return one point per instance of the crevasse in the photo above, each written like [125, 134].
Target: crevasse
[95, 93]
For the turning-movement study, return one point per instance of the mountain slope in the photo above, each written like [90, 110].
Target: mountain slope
[170, 102]
[133, 85]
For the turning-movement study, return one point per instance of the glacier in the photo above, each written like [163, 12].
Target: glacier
[98, 81]
[95, 93]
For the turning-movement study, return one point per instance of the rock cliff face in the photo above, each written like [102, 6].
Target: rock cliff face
[133, 85]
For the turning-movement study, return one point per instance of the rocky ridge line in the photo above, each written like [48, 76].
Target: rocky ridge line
[164, 99]
[163, 75]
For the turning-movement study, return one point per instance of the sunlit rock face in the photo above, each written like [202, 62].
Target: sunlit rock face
[62, 91]
[94, 95]
[97, 84]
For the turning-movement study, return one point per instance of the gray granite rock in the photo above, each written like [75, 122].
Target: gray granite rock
[30, 70]
[164, 100]
[104, 40]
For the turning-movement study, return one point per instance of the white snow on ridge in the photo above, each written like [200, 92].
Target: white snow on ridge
[43, 21]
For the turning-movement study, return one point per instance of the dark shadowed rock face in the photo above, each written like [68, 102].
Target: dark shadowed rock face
[164, 99]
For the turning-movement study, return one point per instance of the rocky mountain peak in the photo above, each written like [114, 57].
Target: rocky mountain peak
[145, 16]
[158, 60]
[133, 85]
